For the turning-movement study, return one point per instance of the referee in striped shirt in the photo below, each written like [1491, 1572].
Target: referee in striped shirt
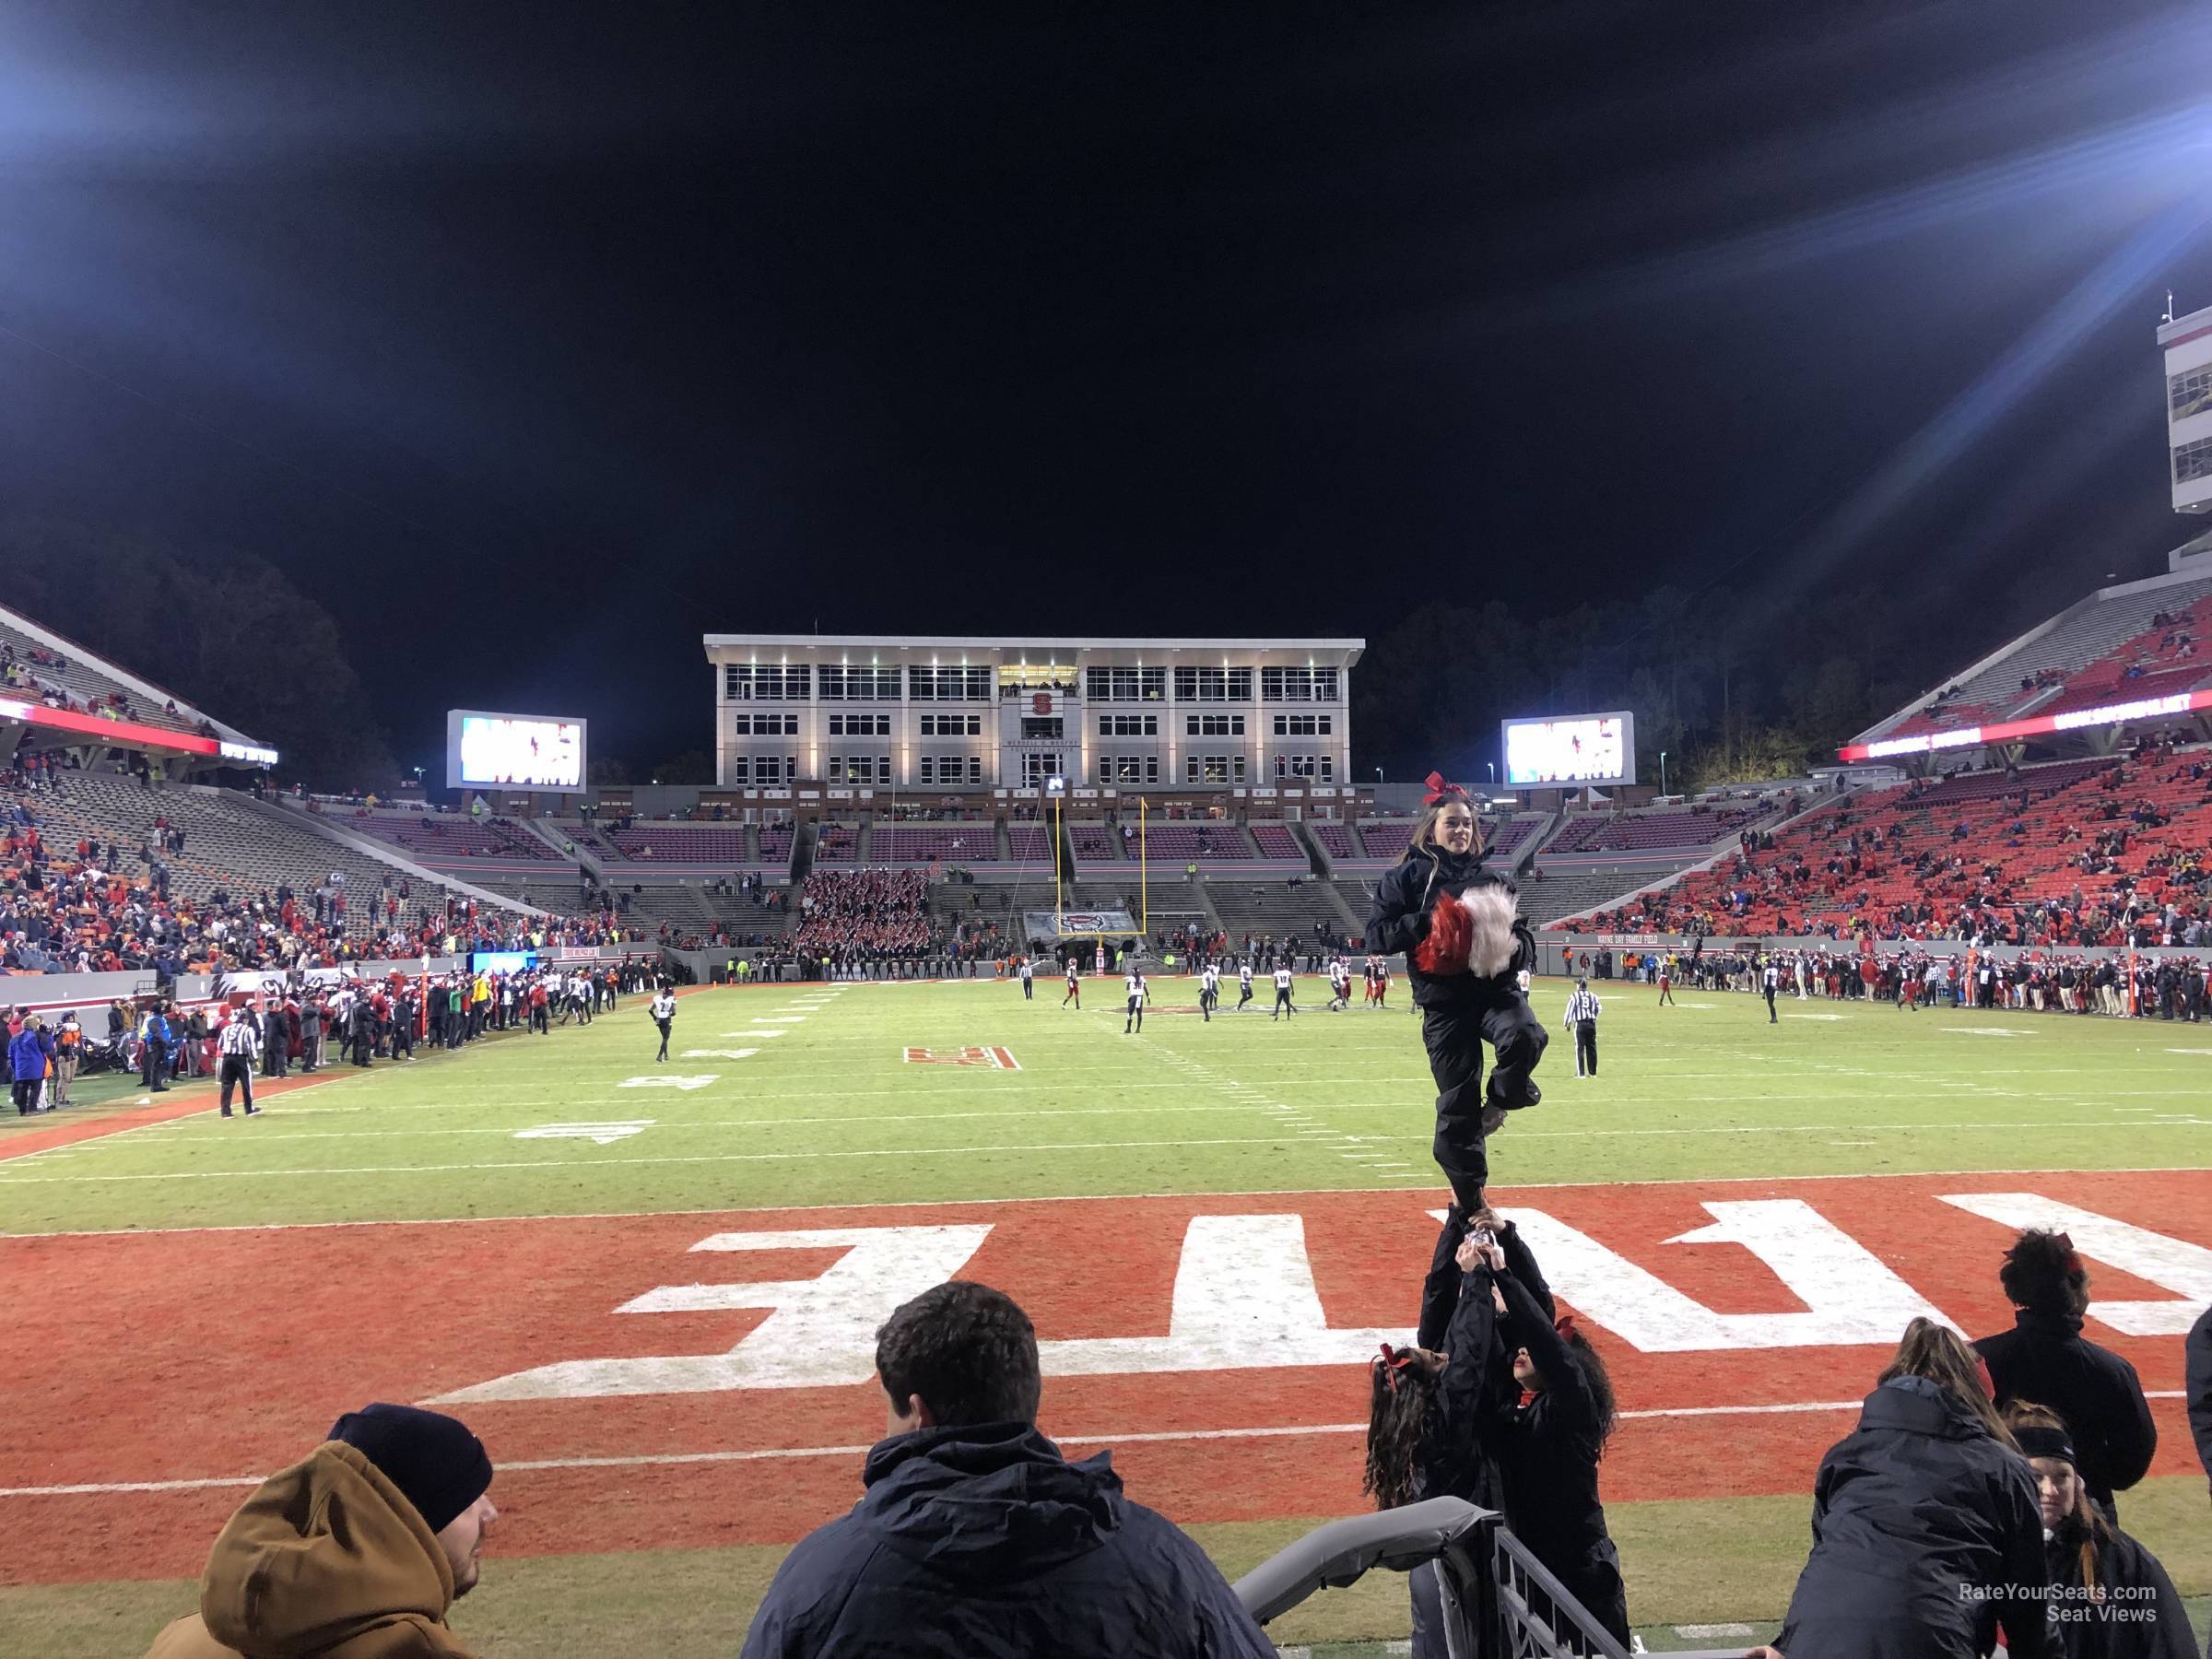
[239, 1046]
[1581, 1019]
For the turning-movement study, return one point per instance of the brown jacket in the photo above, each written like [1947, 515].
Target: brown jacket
[325, 1560]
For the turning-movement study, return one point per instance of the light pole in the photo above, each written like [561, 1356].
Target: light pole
[1661, 772]
[1493, 766]
[1378, 774]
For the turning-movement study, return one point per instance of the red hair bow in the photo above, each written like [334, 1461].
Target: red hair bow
[2066, 1243]
[1391, 1364]
[1440, 791]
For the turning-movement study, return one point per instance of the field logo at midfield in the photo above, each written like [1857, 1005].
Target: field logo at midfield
[1244, 1297]
[997, 1059]
[602, 1135]
[671, 1081]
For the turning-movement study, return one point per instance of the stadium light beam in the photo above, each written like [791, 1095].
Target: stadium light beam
[1975, 412]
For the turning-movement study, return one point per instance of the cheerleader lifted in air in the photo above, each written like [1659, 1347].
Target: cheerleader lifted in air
[1464, 949]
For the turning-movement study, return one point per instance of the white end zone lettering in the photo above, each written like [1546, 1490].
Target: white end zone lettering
[1244, 1297]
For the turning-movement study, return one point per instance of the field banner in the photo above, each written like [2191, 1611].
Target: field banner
[1045, 925]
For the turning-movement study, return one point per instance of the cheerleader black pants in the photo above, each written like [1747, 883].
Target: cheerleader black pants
[1454, 1036]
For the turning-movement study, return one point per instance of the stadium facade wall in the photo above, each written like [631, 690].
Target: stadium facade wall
[951, 715]
[2186, 343]
[48, 995]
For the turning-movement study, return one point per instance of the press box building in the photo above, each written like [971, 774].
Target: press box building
[952, 714]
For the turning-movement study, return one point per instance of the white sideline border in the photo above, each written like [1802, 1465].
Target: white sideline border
[1002, 1148]
[908, 1204]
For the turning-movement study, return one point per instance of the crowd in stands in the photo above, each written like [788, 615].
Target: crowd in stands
[20, 671]
[91, 904]
[851, 917]
[2098, 853]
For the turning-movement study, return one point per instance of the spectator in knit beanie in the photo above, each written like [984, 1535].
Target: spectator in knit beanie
[355, 1552]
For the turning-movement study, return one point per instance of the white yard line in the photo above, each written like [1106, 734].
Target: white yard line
[1011, 1112]
[771, 1454]
[699, 1158]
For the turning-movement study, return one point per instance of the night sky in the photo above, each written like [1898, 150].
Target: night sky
[537, 341]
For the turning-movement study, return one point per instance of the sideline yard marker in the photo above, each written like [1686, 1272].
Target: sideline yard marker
[996, 1059]
[604, 1134]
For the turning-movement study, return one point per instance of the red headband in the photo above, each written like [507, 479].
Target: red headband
[1564, 1326]
[1440, 791]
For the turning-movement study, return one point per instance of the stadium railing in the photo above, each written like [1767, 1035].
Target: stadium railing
[1497, 1598]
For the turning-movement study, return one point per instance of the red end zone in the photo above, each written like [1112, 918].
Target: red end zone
[1217, 1349]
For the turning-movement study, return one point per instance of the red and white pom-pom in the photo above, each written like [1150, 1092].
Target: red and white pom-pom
[1472, 934]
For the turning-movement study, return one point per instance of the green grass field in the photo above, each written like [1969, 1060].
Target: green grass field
[826, 1110]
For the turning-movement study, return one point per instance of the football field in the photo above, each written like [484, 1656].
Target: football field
[653, 1288]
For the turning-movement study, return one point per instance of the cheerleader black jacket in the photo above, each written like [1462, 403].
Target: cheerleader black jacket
[1398, 921]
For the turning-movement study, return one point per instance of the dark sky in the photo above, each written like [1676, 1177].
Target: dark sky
[537, 341]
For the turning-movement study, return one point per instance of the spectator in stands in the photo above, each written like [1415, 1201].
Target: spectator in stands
[2110, 1597]
[360, 1548]
[2045, 1360]
[1926, 1527]
[975, 1537]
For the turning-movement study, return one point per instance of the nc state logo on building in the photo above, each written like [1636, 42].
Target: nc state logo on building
[1042, 703]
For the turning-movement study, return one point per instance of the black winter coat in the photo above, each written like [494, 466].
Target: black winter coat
[1398, 921]
[982, 1541]
[2139, 1617]
[1543, 1455]
[2199, 1388]
[1548, 1448]
[2045, 1358]
[1913, 1512]
[1454, 1458]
